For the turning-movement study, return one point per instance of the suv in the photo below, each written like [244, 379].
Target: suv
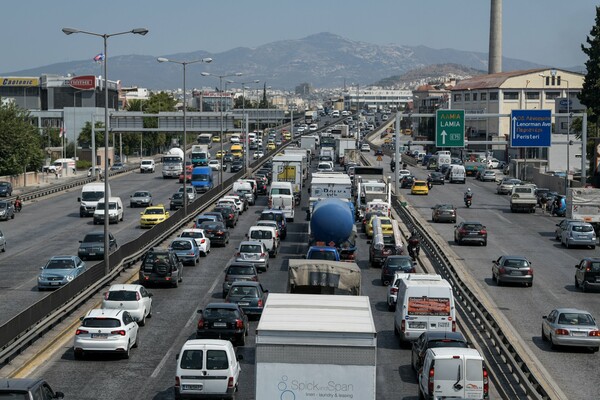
[587, 273]
[27, 389]
[6, 189]
[147, 166]
[277, 216]
[161, 266]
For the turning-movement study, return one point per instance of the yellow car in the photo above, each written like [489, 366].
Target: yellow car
[219, 154]
[419, 187]
[271, 146]
[153, 215]
[386, 226]
[287, 135]
[216, 138]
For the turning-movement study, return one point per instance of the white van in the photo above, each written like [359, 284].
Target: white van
[453, 372]
[90, 194]
[335, 114]
[457, 173]
[115, 211]
[244, 188]
[207, 367]
[281, 197]
[267, 235]
[425, 302]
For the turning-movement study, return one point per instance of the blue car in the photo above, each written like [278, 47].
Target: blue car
[322, 253]
[59, 271]
[186, 250]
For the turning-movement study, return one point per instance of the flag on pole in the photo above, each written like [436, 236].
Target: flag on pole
[99, 58]
[62, 132]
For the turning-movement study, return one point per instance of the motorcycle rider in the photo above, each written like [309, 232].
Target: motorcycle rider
[18, 204]
[413, 244]
[468, 195]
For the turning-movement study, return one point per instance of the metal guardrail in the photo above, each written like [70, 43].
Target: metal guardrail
[512, 369]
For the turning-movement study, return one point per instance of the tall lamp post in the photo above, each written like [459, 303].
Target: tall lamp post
[221, 110]
[184, 64]
[105, 36]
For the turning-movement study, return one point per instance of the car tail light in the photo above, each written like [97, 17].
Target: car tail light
[239, 324]
[254, 278]
[203, 241]
[394, 290]
[594, 333]
[177, 382]
[230, 216]
[263, 254]
[453, 326]
[230, 383]
[530, 271]
[501, 270]
[137, 296]
[561, 332]
[483, 232]
[486, 384]
[403, 326]
[220, 233]
[200, 323]
[120, 332]
[412, 270]
[462, 231]
[351, 256]
[430, 380]
[260, 303]
[105, 295]
[80, 332]
[237, 254]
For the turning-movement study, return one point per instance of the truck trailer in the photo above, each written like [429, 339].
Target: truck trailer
[316, 346]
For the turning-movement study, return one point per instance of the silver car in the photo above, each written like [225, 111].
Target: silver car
[2, 242]
[507, 184]
[255, 253]
[571, 327]
[140, 198]
[59, 271]
[578, 233]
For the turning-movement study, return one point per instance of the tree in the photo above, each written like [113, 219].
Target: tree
[264, 103]
[20, 144]
[590, 93]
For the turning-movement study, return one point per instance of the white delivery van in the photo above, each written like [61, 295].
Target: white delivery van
[244, 188]
[281, 188]
[91, 193]
[425, 302]
[457, 173]
[453, 373]
[267, 235]
[207, 367]
[281, 197]
[115, 211]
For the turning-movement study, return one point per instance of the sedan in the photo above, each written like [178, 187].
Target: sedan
[587, 274]
[250, 296]
[238, 271]
[59, 271]
[506, 185]
[225, 321]
[216, 231]
[470, 232]
[92, 246]
[407, 181]
[103, 330]
[578, 233]
[571, 327]
[436, 178]
[365, 147]
[133, 298]
[434, 339]
[487, 175]
[443, 213]
[186, 250]
[562, 226]
[176, 201]
[7, 210]
[236, 166]
[512, 269]
[202, 241]
[140, 198]
[215, 165]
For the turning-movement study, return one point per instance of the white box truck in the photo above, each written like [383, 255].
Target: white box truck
[325, 186]
[341, 145]
[316, 346]
[289, 168]
[584, 204]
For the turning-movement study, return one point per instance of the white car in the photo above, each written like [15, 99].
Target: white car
[147, 166]
[103, 330]
[133, 298]
[191, 192]
[325, 166]
[201, 239]
[237, 203]
[215, 165]
[300, 129]
[402, 173]
[235, 139]
[365, 147]
[258, 154]
[313, 127]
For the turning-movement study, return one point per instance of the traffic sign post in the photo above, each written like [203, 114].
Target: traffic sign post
[530, 128]
[450, 128]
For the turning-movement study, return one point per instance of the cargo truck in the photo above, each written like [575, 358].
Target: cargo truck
[331, 185]
[313, 276]
[584, 204]
[290, 168]
[173, 161]
[311, 143]
[316, 346]
[311, 117]
[200, 155]
[341, 146]
[332, 224]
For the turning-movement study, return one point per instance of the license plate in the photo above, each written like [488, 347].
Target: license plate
[55, 283]
[220, 324]
[99, 335]
[243, 303]
[598, 279]
[579, 334]
[515, 272]
[443, 324]
[192, 387]
[91, 254]
[417, 325]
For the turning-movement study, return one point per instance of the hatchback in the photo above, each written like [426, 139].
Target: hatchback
[587, 273]
[238, 271]
[578, 233]
[7, 210]
[436, 178]
[140, 199]
[202, 241]
[487, 176]
[434, 339]
[395, 264]
[255, 253]
[230, 215]
[236, 166]
[105, 330]
[571, 327]
[562, 225]
[59, 271]
[225, 321]
[419, 187]
[133, 298]
[407, 181]
[443, 212]
[470, 232]
[176, 201]
[15, 388]
[186, 250]
[250, 296]
[512, 269]
[216, 231]
[208, 217]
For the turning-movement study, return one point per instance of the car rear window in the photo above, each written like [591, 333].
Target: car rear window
[447, 370]
[101, 323]
[191, 359]
[261, 234]
[93, 238]
[595, 266]
[220, 313]
[575, 319]
[122, 295]
[582, 228]
[446, 343]
[240, 270]
[473, 227]
[216, 359]
[243, 291]
[181, 245]
[250, 248]
[322, 255]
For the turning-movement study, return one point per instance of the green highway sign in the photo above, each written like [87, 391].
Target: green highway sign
[450, 128]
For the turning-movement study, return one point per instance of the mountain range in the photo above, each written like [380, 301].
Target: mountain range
[323, 60]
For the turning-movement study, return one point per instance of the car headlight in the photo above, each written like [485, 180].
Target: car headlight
[2, 212]
[69, 278]
[40, 278]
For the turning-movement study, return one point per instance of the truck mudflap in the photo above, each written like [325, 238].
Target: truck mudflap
[347, 254]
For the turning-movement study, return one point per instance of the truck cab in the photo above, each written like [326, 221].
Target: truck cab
[322, 253]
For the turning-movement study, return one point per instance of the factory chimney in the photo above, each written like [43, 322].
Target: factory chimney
[495, 51]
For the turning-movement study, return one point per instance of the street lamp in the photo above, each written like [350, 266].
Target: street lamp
[221, 110]
[105, 36]
[184, 63]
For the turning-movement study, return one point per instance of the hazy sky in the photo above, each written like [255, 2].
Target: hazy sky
[543, 31]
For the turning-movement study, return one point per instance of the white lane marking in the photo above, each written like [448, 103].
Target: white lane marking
[501, 217]
[192, 318]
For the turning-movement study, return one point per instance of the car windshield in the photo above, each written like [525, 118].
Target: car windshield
[200, 177]
[122, 295]
[146, 162]
[141, 194]
[111, 206]
[250, 248]
[240, 270]
[101, 322]
[181, 245]
[93, 238]
[322, 255]
[154, 211]
[91, 196]
[399, 262]
[3, 184]
[582, 228]
[60, 264]
[576, 319]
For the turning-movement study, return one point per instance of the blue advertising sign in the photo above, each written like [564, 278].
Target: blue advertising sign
[531, 128]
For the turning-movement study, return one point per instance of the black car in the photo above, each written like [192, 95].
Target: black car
[230, 215]
[395, 264]
[216, 231]
[434, 339]
[261, 181]
[6, 189]
[225, 321]
[236, 166]
[238, 271]
[161, 265]
[587, 274]
[92, 246]
[379, 152]
[176, 201]
[277, 216]
[436, 178]
[470, 232]
[218, 215]
[266, 172]
[407, 181]
[227, 158]
[250, 296]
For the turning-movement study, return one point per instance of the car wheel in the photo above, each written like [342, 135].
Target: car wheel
[584, 286]
[498, 281]
[391, 307]
[127, 351]
[12, 216]
[544, 338]
[595, 349]
[149, 313]
[142, 322]
[484, 243]
[593, 246]
[396, 331]
[137, 339]
[224, 294]
[175, 283]
[552, 345]
[567, 243]
[78, 355]
[493, 277]
[242, 340]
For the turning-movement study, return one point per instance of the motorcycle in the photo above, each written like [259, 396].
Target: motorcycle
[18, 206]
[414, 247]
[468, 201]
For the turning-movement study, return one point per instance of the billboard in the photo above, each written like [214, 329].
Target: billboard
[437, 306]
[84, 82]
[19, 81]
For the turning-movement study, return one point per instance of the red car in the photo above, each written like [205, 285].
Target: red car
[188, 173]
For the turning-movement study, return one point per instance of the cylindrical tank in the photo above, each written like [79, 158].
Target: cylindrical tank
[331, 221]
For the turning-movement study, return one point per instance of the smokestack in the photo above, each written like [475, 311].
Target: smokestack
[495, 52]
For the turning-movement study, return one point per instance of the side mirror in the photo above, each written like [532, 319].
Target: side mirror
[239, 357]
[79, 199]
[576, 265]
[81, 241]
[199, 312]
[59, 395]
[266, 290]
[142, 213]
[150, 294]
[41, 267]
[544, 317]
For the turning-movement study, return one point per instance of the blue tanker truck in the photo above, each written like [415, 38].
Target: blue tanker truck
[332, 224]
